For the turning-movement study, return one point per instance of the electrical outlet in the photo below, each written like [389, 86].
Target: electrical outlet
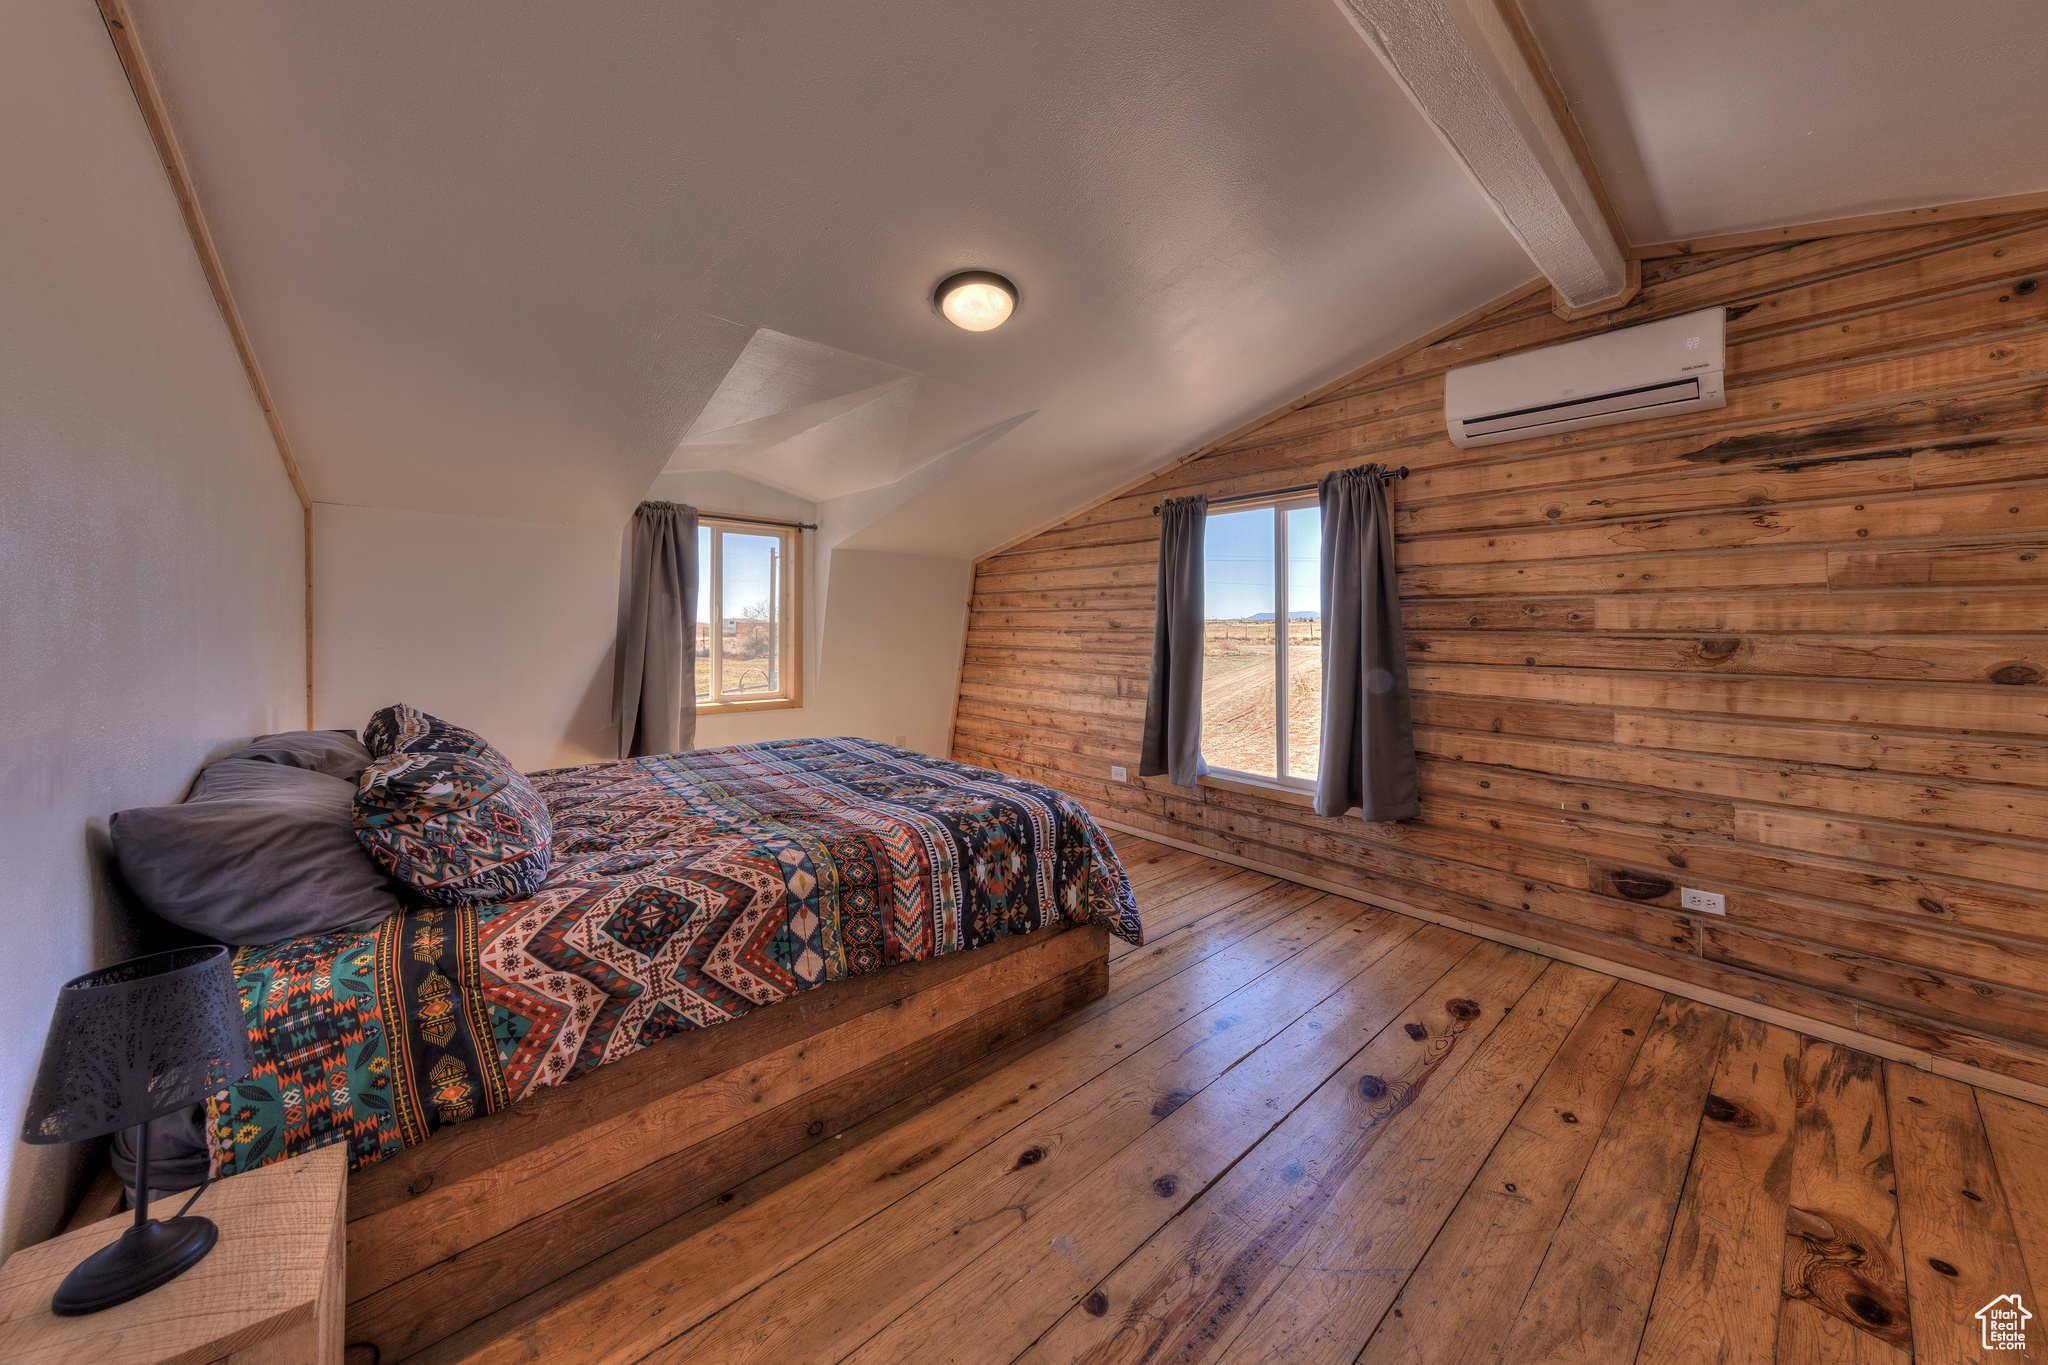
[1119, 774]
[1706, 902]
[903, 741]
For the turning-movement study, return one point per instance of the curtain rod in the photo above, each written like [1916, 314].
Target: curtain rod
[1386, 477]
[760, 521]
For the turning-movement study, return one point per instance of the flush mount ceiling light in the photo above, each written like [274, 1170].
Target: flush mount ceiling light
[978, 300]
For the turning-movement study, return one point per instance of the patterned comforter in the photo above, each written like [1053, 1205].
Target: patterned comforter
[686, 890]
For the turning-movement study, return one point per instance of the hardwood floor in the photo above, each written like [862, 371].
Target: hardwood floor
[1301, 1128]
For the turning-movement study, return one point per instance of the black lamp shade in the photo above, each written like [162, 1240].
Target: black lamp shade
[136, 1041]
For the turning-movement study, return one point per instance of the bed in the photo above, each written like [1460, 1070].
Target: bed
[841, 881]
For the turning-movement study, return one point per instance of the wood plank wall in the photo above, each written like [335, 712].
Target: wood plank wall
[1791, 651]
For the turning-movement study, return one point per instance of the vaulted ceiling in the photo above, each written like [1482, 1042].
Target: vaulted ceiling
[1746, 114]
[517, 259]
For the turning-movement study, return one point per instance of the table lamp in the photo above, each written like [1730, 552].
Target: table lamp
[130, 1043]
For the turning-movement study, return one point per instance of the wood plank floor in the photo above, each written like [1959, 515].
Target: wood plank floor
[1300, 1128]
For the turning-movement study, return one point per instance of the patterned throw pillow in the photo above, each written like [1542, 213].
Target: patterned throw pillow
[459, 825]
[407, 729]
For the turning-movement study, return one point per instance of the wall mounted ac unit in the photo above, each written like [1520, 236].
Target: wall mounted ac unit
[1654, 370]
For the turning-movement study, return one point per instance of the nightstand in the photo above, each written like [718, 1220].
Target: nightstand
[270, 1291]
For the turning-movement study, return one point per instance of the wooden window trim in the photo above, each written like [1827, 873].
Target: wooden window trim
[793, 591]
[723, 708]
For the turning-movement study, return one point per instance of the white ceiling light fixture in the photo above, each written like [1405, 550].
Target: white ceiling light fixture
[977, 300]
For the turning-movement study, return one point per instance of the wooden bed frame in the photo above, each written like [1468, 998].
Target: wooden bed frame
[490, 1210]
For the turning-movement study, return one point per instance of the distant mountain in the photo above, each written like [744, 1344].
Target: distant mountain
[1292, 616]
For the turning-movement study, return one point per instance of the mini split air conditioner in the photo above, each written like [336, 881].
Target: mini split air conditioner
[1654, 370]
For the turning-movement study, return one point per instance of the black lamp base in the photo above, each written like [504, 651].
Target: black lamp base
[148, 1254]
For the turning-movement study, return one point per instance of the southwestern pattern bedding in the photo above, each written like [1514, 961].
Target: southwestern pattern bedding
[686, 890]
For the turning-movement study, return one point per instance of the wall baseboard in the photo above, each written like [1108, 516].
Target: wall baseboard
[1813, 1028]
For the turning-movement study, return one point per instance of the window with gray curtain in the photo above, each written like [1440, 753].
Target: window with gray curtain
[1368, 740]
[1173, 702]
[654, 680]
[750, 609]
[1262, 651]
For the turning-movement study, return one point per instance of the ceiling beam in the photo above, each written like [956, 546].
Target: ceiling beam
[1473, 68]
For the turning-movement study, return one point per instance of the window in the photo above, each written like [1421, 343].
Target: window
[748, 615]
[1262, 647]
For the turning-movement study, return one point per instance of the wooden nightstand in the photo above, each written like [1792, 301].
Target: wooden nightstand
[270, 1291]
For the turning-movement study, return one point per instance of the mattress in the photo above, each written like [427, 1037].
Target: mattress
[685, 890]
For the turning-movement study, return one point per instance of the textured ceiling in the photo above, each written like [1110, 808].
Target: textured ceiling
[515, 259]
[824, 424]
[498, 259]
[1748, 114]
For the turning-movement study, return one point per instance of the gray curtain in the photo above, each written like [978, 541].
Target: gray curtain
[654, 682]
[1173, 704]
[1368, 753]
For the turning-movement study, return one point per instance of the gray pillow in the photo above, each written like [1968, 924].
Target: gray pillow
[260, 851]
[338, 753]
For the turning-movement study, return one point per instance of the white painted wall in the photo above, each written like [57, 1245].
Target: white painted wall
[507, 627]
[886, 661]
[891, 649]
[882, 632]
[504, 627]
[150, 545]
